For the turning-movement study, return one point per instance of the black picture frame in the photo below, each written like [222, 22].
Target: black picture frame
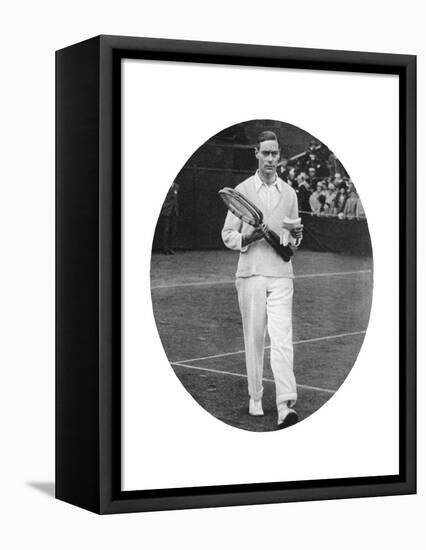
[88, 273]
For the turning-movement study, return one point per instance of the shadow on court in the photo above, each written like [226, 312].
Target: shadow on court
[196, 312]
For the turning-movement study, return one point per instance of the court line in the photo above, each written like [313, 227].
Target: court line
[231, 281]
[332, 274]
[346, 278]
[309, 340]
[216, 371]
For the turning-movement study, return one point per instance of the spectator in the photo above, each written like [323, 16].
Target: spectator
[312, 177]
[283, 169]
[314, 201]
[359, 211]
[338, 180]
[291, 178]
[303, 178]
[313, 162]
[339, 202]
[313, 146]
[303, 192]
[334, 165]
[324, 209]
[350, 186]
[350, 208]
[330, 195]
[355, 209]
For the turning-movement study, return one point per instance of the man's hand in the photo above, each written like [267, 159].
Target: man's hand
[297, 232]
[253, 234]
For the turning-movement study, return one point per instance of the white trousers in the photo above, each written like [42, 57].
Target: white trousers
[266, 304]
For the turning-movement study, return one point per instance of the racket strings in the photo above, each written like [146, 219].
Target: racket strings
[241, 207]
[241, 210]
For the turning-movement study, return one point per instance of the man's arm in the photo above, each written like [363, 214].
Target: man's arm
[234, 238]
[231, 232]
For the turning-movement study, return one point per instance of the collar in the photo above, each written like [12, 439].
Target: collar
[258, 182]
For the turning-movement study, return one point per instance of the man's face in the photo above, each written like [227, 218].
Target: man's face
[312, 172]
[268, 155]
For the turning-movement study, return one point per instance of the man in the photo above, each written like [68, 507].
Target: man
[359, 212]
[303, 192]
[168, 217]
[314, 199]
[312, 178]
[339, 202]
[265, 282]
[312, 162]
[283, 169]
[338, 180]
[291, 177]
[330, 194]
[351, 204]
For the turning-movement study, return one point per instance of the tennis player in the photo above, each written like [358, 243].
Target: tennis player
[264, 281]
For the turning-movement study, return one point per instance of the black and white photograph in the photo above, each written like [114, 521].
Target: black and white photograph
[262, 332]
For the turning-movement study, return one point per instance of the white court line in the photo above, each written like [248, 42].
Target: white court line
[231, 281]
[314, 388]
[331, 274]
[347, 278]
[331, 337]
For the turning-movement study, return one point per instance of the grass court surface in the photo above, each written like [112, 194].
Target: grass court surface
[196, 311]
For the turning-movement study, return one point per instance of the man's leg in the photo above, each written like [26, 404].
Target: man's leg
[252, 302]
[279, 312]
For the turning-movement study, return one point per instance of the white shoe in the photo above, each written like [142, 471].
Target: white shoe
[255, 407]
[286, 417]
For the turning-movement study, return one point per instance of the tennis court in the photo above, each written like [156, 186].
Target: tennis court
[196, 311]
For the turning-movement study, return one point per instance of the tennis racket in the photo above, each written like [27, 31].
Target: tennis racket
[244, 209]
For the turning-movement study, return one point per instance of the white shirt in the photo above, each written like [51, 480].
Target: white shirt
[258, 258]
[269, 194]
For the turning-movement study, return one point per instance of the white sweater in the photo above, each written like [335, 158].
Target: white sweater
[258, 258]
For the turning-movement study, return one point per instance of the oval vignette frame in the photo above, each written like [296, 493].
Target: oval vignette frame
[189, 302]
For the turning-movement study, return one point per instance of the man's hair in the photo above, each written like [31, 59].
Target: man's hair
[267, 135]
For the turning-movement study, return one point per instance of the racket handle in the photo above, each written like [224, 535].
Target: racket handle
[285, 252]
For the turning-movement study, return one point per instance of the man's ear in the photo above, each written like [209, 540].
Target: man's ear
[256, 152]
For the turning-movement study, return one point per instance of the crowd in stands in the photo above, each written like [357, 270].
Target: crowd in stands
[322, 185]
